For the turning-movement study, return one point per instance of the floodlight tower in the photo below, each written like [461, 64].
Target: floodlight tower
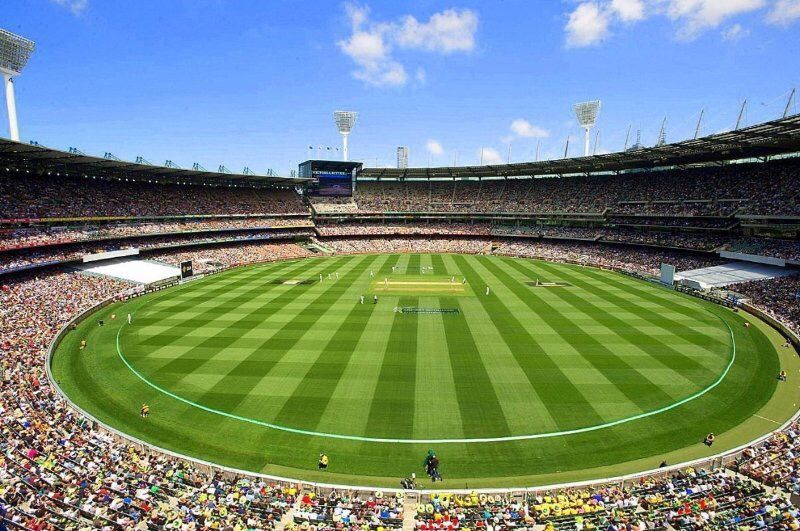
[14, 54]
[587, 116]
[345, 120]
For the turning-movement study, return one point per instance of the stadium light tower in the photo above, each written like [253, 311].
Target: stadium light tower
[345, 120]
[14, 54]
[587, 116]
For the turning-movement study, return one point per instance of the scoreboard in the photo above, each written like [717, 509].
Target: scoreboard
[330, 178]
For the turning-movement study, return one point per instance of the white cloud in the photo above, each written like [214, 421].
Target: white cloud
[76, 7]
[357, 14]
[389, 73]
[696, 16]
[490, 156]
[784, 12]
[371, 44]
[450, 31]
[523, 128]
[734, 33]
[628, 10]
[587, 25]
[434, 147]
[591, 21]
[365, 48]
[370, 51]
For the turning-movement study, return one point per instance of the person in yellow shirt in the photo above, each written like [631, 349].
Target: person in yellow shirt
[323, 462]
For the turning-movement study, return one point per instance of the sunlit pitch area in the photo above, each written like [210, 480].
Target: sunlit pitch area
[15, 51]
[421, 285]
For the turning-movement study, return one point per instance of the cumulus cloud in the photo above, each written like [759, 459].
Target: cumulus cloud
[628, 10]
[371, 44]
[76, 7]
[696, 16]
[587, 25]
[490, 156]
[525, 129]
[592, 21]
[450, 31]
[434, 147]
[734, 33]
[784, 12]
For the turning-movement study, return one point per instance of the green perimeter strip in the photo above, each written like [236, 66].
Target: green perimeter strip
[440, 441]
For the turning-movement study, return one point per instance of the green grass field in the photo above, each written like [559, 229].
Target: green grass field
[262, 368]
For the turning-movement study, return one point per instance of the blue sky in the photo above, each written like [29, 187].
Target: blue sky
[255, 82]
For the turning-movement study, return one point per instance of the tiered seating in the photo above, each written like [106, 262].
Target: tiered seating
[53, 254]
[687, 500]
[775, 463]
[57, 471]
[30, 196]
[350, 510]
[776, 296]
[755, 189]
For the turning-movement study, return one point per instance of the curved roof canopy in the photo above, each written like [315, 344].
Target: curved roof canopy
[42, 159]
[777, 137]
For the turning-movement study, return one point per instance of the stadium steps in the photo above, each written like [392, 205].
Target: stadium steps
[316, 247]
[410, 501]
[287, 520]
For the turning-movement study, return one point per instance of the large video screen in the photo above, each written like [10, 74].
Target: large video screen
[334, 184]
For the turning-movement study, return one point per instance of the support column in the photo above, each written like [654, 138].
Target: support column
[586, 144]
[13, 128]
[344, 147]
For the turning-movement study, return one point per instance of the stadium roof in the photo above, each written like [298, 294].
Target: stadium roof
[39, 158]
[777, 137]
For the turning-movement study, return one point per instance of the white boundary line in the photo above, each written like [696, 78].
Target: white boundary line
[359, 438]
[509, 490]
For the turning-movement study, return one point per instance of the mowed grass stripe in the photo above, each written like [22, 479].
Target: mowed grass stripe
[207, 346]
[246, 374]
[663, 299]
[310, 399]
[194, 366]
[413, 266]
[391, 412]
[288, 368]
[634, 385]
[606, 399]
[481, 413]
[353, 394]
[437, 413]
[478, 402]
[523, 408]
[564, 402]
[212, 286]
[682, 366]
[226, 300]
[667, 320]
[220, 284]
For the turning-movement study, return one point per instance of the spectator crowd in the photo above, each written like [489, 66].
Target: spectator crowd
[32, 196]
[60, 471]
[752, 189]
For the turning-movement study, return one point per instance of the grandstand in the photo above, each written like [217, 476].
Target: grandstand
[512, 317]
[685, 225]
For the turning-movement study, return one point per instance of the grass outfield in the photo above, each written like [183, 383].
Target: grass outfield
[259, 369]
